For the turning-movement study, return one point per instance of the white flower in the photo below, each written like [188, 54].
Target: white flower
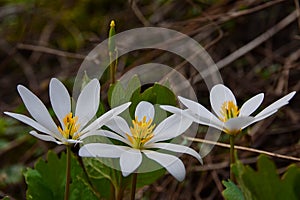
[229, 117]
[142, 138]
[73, 126]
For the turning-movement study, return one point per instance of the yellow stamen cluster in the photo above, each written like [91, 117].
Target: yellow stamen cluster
[229, 110]
[70, 127]
[141, 132]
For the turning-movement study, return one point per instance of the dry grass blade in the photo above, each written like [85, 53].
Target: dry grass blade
[243, 148]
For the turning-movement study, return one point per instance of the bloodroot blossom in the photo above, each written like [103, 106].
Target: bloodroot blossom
[74, 126]
[229, 117]
[143, 138]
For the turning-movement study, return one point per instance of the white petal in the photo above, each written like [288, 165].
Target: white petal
[176, 148]
[189, 113]
[218, 95]
[271, 109]
[105, 133]
[88, 102]
[119, 125]
[185, 113]
[29, 122]
[130, 160]
[171, 127]
[251, 105]
[103, 119]
[144, 109]
[72, 141]
[172, 164]
[47, 138]
[171, 109]
[238, 123]
[197, 108]
[265, 115]
[37, 110]
[60, 99]
[200, 114]
[215, 123]
[102, 150]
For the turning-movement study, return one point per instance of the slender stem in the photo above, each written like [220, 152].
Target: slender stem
[112, 68]
[119, 195]
[133, 186]
[112, 51]
[112, 191]
[232, 159]
[68, 173]
[79, 159]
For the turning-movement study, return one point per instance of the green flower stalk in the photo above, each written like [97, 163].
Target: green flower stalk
[68, 173]
[133, 185]
[232, 158]
[112, 52]
[111, 41]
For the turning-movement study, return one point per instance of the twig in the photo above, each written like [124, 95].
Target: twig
[20, 60]
[138, 13]
[282, 84]
[243, 148]
[251, 45]
[257, 41]
[14, 144]
[43, 40]
[221, 165]
[298, 12]
[50, 51]
[236, 14]
[221, 18]
[215, 177]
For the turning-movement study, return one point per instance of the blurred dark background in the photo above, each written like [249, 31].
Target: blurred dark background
[256, 45]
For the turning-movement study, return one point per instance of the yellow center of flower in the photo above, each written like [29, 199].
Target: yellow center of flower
[70, 127]
[229, 110]
[141, 132]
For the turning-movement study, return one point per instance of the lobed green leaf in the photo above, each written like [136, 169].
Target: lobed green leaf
[265, 183]
[47, 179]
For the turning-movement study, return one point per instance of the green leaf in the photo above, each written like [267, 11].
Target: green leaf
[149, 178]
[133, 86]
[47, 179]
[159, 94]
[118, 95]
[292, 177]
[232, 191]
[265, 182]
[102, 176]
